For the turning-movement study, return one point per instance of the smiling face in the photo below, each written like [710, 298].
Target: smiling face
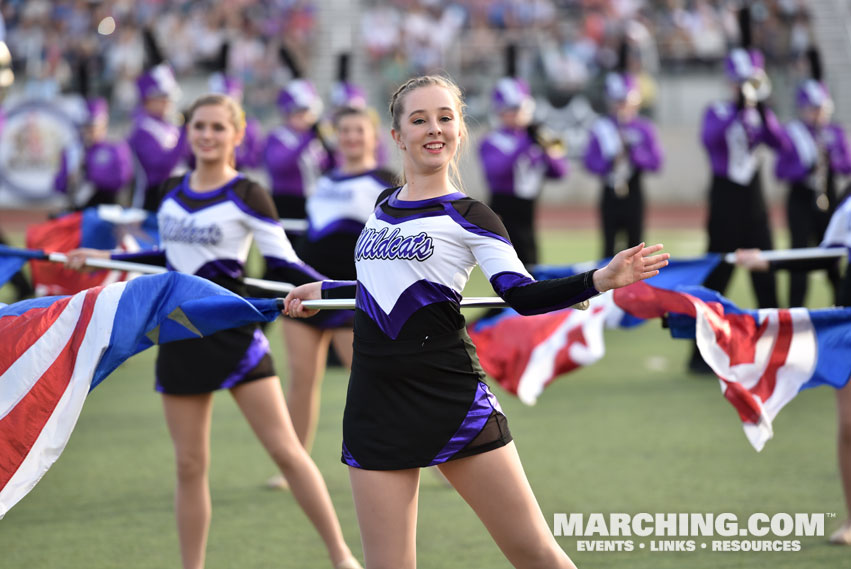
[213, 134]
[428, 130]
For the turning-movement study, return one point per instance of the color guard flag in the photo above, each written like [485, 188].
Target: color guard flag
[56, 349]
[678, 273]
[763, 358]
[12, 260]
[524, 354]
[105, 227]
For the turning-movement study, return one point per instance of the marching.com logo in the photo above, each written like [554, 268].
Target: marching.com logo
[762, 532]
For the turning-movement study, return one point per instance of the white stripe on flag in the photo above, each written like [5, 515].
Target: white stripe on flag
[541, 366]
[20, 377]
[795, 351]
[53, 438]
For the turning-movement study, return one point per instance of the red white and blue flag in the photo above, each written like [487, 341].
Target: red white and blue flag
[524, 354]
[56, 349]
[763, 358]
[108, 227]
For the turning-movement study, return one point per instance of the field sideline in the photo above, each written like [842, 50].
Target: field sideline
[633, 433]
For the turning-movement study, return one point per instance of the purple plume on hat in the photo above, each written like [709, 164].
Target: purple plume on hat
[742, 64]
[812, 93]
[511, 93]
[157, 81]
[345, 94]
[226, 85]
[97, 108]
[299, 94]
[621, 87]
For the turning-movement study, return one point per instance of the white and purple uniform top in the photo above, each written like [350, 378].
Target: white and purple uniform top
[342, 202]
[414, 259]
[209, 234]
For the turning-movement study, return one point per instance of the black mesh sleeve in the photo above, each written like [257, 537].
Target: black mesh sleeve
[551, 294]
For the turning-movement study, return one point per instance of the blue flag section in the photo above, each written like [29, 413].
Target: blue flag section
[679, 272]
[104, 227]
[13, 259]
[56, 349]
[831, 327]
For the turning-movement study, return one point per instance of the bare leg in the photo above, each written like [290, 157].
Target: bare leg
[843, 399]
[495, 486]
[342, 339]
[188, 418]
[304, 394]
[262, 403]
[307, 348]
[386, 505]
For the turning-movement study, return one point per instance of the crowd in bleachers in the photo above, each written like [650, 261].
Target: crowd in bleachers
[567, 42]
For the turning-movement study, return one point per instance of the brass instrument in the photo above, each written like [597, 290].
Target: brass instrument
[757, 87]
[547, 139]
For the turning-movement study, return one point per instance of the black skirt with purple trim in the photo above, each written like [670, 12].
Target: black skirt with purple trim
[220, 361]
[419, 403]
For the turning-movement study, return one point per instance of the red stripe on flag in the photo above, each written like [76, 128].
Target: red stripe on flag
[20, 428]
[743, 400]
[21, 332]
[505, 348]
[645, 301]
[736, 334]
[779, 354]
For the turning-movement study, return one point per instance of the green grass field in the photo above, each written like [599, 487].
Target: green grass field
[633, 433]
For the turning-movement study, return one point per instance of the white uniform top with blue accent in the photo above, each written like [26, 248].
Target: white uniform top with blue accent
[336, 213]
[414, 259]
[209, 234]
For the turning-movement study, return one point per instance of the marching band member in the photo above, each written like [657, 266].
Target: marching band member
[107, 165]
[294, 154]
[732, 131]
[622, 146]
[817, 151]
[158, 145]
[517, 158]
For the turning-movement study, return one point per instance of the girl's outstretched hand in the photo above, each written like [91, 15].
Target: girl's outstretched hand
[292, 303]
[630, 266]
